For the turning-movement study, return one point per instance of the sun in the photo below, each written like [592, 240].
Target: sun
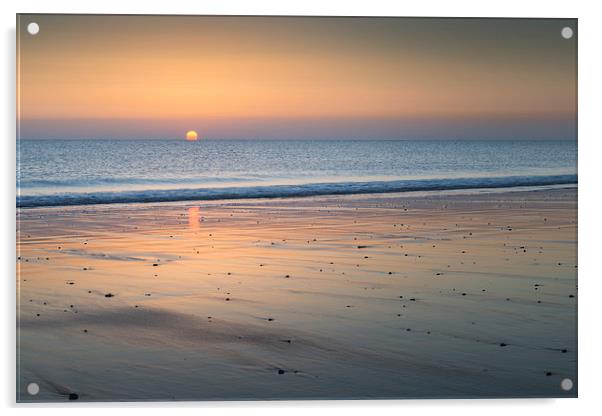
[192, 136]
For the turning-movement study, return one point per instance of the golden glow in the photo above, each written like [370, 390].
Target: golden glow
[234, 69]
[192, 136]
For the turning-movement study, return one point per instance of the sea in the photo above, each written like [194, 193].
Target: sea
[83, 172]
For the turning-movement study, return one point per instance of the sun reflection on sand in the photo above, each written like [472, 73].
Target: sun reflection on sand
[194, 218]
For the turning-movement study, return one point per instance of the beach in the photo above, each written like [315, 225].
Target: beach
[466, 294]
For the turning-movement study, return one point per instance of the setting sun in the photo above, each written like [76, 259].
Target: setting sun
[192, 136]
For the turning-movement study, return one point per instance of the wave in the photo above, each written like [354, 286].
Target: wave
[289, 191]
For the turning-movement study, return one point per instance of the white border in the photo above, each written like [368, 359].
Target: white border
[590, 137]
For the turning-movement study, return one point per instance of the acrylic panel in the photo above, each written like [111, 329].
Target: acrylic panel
[273, 207]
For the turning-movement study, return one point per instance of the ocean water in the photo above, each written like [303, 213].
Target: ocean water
[82, 172]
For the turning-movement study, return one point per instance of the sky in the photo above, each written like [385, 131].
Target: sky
[117, 77]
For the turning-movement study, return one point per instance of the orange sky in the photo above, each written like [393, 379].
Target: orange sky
[80, 73]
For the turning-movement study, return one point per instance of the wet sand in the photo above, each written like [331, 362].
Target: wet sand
[388, 296]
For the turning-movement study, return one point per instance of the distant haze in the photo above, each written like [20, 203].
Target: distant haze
[86, 76]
